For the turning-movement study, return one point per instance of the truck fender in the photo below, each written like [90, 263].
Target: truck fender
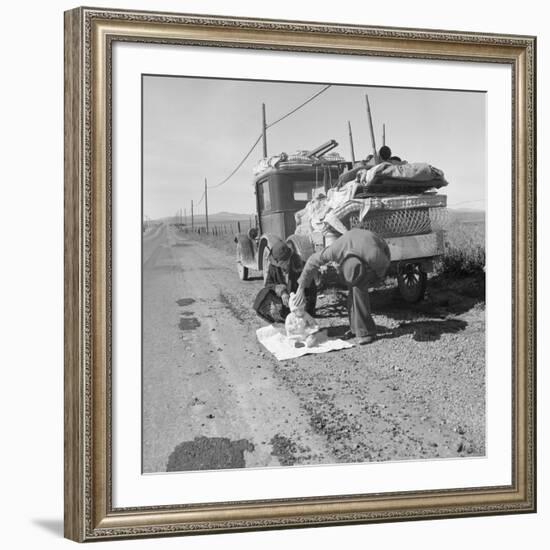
[267, 240]
[302, 245]
[247, 248]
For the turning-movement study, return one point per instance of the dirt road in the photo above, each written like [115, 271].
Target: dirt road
[214, 398]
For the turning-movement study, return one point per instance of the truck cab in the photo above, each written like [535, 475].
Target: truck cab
[280, 193]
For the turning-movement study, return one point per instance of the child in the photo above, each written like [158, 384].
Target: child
[301, 327]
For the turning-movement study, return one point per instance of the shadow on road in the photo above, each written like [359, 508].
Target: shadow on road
[258, 278]
[444, 296]
[331, 310]
[426, 331]
[422, 331]
[427, 320]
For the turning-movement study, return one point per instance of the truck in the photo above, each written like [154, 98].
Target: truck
[409, 215]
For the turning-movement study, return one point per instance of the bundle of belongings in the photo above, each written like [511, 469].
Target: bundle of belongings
[270, 307]
[391, 177]
[289, 160]
[384, 186]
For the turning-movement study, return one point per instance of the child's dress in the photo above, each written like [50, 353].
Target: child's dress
[299, 328]
[299, 324]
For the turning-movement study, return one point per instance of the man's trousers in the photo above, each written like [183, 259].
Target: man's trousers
[361, 322]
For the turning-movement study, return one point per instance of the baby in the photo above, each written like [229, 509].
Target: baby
[301, 327]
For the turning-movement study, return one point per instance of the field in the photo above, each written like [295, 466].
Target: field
[464, 243]
[465, 248]
[221, 236]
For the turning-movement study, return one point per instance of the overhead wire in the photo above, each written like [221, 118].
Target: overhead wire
[238, 165]
[291, 112]
[300, 106]
[201, 199]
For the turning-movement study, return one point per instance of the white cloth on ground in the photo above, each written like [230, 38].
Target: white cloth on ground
[275, 341]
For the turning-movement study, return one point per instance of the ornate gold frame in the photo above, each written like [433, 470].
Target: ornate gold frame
[89, 35]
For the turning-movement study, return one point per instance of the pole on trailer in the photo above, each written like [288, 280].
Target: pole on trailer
[351, 142]
[206, 202]
[373, 142]
[192, 217]
[264, 131]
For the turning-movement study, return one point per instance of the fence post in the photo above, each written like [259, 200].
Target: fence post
[238, 227]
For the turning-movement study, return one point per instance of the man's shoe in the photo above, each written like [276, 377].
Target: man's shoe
[348, 335]
[362, 340]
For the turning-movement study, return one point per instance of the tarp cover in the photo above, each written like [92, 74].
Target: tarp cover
[413, 171]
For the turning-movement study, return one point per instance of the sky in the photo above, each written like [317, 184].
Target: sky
[197, 128]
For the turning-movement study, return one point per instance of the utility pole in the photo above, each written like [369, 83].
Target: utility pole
[185, 216]
[369, 115]
[192, 218]
[383, 134]
[264, 131]
[206, 202]
[351, 142]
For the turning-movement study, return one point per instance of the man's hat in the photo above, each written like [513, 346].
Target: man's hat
[353, 270]
[280, 251]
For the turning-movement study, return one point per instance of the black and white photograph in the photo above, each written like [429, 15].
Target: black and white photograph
[313, 274]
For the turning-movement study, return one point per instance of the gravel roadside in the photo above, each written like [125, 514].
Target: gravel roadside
[417, 392]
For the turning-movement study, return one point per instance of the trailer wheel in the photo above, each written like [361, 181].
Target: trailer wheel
[241, 269]
[411, 282]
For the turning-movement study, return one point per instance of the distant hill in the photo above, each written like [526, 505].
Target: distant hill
[466, 215]
[229, 216]
[218, 217]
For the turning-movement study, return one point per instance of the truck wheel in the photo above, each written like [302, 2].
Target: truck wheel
[241, 269]
[411, 282]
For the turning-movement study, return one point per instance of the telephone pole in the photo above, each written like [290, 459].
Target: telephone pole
[369, 115]
[351, 142]
[206, 201]
[192, 218]
[264, 131]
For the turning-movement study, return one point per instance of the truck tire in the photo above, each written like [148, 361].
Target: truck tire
[242, 271]
[411, 281]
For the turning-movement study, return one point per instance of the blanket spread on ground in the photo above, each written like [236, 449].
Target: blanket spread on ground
[274, 340]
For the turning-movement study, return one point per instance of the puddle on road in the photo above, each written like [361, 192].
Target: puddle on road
[185, 302]
[209, 453]
[189, 323]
